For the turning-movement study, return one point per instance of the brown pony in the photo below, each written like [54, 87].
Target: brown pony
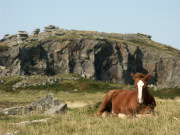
[129, 102]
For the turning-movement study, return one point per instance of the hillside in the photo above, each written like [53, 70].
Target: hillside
[94, 55]
[83, 98]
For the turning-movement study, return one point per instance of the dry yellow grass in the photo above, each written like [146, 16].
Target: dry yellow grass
[79, 121]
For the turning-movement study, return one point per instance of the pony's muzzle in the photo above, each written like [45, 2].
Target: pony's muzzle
[140, 102]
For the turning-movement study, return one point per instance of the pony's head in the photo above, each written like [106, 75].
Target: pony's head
[140, 82]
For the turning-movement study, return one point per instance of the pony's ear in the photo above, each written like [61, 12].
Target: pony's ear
[133, 75]
[147, 76]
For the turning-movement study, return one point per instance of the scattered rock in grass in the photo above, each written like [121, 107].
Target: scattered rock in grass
[60, 109]
[45, 105]
[24, 123]
[1, 81]
[12, 133]
[27, 82]
[75, 90]
[1, 92]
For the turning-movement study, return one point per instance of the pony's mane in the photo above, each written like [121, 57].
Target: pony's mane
[139, 75]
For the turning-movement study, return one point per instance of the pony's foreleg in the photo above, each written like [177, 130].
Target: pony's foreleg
[106, 105]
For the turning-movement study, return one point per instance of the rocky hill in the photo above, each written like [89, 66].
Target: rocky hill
[100, 56]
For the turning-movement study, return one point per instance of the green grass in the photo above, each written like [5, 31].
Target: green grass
[69, 86]
[81, 121]
[72, 35]
[80, 85]
[168, 93]
[9, 82]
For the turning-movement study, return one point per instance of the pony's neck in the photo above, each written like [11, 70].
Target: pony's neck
[145, 92]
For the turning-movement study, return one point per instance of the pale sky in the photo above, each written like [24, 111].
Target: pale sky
[158, 18]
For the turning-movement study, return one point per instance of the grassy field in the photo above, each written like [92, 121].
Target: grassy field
[79, 119]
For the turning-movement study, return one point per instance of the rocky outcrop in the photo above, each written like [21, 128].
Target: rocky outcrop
[49, 28]
[22, 35]
[45, 105]
[100, 56]
[36, 31]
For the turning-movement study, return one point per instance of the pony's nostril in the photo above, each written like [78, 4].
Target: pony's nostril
[140, 101]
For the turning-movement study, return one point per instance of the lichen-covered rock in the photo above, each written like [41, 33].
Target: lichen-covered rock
[22, 35]
[60, 109]
[10, 40]
[36, 31]
[45, 105]
[49, 28]
[46, 102]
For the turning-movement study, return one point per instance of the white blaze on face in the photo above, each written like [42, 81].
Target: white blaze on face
[140, 85]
